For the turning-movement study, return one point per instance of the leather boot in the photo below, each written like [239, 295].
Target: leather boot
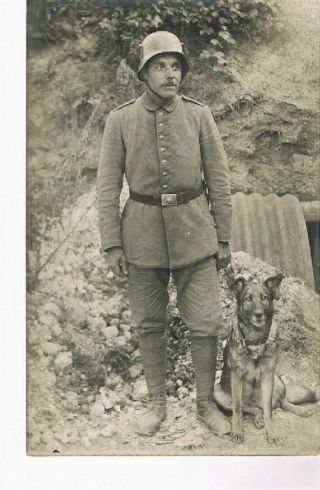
[153, 349]
[204, 355]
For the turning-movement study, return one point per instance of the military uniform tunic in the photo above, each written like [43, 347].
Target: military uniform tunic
[163, 148]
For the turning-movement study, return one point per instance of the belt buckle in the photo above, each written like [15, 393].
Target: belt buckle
[169, 200]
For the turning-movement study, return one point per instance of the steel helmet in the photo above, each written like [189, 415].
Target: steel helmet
[161, 42]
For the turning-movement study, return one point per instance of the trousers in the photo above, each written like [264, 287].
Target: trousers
[198, 298]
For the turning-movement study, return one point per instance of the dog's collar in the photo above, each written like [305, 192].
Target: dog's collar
[244, 342]
[249, 342]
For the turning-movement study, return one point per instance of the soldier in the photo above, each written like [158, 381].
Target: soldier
[167, 145]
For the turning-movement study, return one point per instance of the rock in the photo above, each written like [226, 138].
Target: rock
[85, 409]
[96, 410]
[56, 330]
[52, 308]
[112, 380]
[115, 322]
[33, 334]
[124, 327]
[42, 427]
[193, 395]
[51, 409]
[218, 375]
[135, 370]
[44, 361]
[127, 336]
[140, 391]
[72, 402]
[136, 354]
[47, 436]
[121, 341]
[123, 401]
[110, 332]
[137, 405]
[126, 316]
[63, 360]
[182, 392]
[76, 313]
[50, 348]
[96, 324]
[113, 305]
[45, 332]
[171, 387]
[106, 401]
[46, 379]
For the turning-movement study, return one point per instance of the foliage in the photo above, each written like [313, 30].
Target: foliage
[207, 27]
[44, 206]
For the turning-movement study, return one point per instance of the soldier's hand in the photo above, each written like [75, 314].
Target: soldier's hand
[223, 256]
[118, 261]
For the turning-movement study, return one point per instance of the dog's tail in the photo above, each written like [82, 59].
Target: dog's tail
[297, 395]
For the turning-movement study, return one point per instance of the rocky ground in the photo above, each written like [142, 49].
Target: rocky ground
[85, 380]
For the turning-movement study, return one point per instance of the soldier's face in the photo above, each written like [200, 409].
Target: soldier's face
[163, 75]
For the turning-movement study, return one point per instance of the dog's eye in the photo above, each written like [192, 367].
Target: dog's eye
[264, 297]
[248, 298]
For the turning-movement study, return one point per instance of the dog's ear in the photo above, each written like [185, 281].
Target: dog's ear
[237, 285]
[273, 285]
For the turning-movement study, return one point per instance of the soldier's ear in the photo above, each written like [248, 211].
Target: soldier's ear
[273, 284]
[237, 285]
[143, 74]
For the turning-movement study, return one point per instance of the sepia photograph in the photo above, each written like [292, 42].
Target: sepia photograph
[172, 228]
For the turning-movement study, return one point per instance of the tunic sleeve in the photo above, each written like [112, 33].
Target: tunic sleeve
[216, 173]
[110, 181]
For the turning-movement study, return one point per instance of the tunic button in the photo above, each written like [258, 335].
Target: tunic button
[164, 160]
[162, 148]
[164, 174]
[165, 186]
[161, 136]
[160, 113]
[160, 124]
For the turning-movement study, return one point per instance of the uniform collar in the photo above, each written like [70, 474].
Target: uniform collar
[153, 102]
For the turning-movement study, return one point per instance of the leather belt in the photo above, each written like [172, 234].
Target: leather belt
[167, 199]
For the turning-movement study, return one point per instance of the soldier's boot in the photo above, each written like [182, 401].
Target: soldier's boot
[153, 349]
[204, 355]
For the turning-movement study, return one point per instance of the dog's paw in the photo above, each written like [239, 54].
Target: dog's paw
[237, 437]
[259, 421]
[306, 412]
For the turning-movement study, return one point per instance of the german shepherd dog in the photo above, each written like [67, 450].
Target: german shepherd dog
[248, 381]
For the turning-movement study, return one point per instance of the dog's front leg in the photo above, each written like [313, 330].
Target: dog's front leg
[267, 380]
[236, 390]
